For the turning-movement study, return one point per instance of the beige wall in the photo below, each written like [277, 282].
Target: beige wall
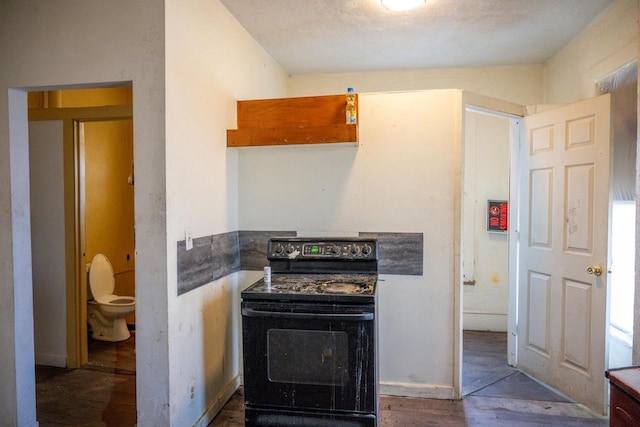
[606, 45]
[518, 84]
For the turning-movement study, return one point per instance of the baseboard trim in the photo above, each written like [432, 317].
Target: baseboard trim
[50, 360]
[218, 403]
[426, 391]
[484, 322]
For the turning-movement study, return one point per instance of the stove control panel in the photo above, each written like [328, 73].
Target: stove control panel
[297, 248]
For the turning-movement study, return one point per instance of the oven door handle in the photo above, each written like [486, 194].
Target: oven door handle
[249, 312]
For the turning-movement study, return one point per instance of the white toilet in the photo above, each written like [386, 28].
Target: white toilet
[106, 312]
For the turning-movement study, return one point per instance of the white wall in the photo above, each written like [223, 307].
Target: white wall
[211, 62]
[56, 45]
[400, 179]
[607, 44]
[518, 84]
[48, 242]
[485, 254]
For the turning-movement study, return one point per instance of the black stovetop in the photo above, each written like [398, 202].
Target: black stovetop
[334, 270]
[355, 288]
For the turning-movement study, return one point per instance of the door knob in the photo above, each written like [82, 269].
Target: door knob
[595, 269]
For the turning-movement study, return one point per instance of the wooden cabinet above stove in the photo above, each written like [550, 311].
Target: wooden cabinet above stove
[288, 121]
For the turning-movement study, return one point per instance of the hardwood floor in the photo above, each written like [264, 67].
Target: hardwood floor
[485, 360]
[81, 397]
[402, 411]
[118, 357]
[103, 394]
[503, 409]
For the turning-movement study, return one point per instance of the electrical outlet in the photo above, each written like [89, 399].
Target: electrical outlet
[191, 391]
[188, 239]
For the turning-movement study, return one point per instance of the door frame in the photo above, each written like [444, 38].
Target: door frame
[485, 105]
[76, 289]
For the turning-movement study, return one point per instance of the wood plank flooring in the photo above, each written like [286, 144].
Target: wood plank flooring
[480, 411]
[485, 360]
[104, 394]
[81, 397]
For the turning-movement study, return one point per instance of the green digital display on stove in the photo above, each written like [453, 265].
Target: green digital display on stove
[315, 249]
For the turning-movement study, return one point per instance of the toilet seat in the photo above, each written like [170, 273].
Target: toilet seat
[116, 300]
[102, 283]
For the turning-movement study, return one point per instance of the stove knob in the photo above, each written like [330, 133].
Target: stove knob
[355, 250]
[366, 250]
[289, 249]
[278, 249]
[335, 250]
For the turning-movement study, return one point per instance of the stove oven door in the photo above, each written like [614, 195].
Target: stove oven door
[310, 357]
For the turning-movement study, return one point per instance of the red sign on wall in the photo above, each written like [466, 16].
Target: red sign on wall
[498, 215]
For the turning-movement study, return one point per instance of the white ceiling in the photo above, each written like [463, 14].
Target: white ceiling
[335, 36]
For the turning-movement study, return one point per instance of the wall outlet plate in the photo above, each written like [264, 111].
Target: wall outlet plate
[191, 391]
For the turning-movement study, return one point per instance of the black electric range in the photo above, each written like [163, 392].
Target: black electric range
[310, 335]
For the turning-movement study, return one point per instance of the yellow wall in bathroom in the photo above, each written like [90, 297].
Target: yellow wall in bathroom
[80, 98]
[109, 214]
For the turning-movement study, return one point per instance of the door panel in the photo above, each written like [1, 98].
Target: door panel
[577, 325]
[541, 139]
[578, 229]
[564, 223]
[540, 214]
[538, 309]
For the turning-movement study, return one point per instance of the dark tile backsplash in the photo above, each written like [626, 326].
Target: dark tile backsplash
[226, 251]
[211, 258]
[399, 253]
[195, 266]
[253, 247]
[214, 257]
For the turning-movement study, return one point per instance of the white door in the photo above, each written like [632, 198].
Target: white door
[564, 229]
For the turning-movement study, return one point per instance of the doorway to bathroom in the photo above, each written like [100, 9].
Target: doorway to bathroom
[82, 187]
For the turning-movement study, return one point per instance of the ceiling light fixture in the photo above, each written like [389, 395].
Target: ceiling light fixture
[401, 5]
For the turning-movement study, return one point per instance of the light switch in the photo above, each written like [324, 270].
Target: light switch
[188, 239]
